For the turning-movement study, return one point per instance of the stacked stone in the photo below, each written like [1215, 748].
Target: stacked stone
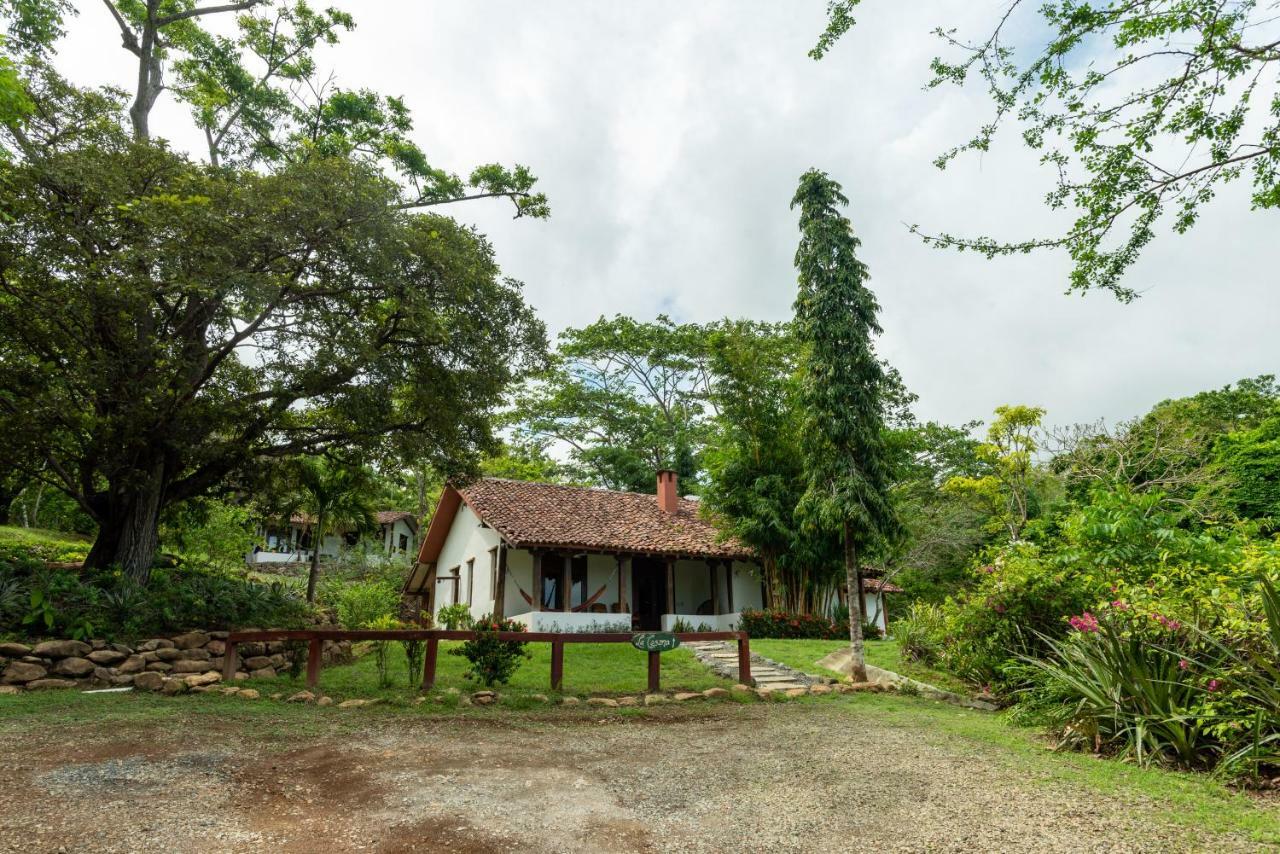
[191, 660]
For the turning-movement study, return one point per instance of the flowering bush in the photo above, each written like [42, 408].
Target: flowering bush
[1151, 688]
[771, 623]
[492, 660]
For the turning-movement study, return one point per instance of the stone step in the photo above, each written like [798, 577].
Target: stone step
[782, 686]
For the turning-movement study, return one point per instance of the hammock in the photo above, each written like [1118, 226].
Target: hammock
[595, 597]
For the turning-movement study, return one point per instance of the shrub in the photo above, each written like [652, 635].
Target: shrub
[415, 652]
[381, 648]
[871, 631]
[362, 603]
[492, 660]
[455, 617]
[920, 632]
[771, 623]
[36, 600]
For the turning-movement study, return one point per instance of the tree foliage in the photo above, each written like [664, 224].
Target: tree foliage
[625, 398]
[1141, 110]
[168, 327]
[846, 464]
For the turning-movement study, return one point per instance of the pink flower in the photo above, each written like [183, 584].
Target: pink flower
[1213, 684]
[1120, 605]
[1086, 622]
[1182, 664]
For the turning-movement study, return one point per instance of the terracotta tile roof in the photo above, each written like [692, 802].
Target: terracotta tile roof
[875, 585]
[382, 517]
[544, 514]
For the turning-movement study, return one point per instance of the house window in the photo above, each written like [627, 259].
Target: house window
[493, 571]
[452, 580]
[471, 579]
[550, 589]
[404, 542]
[578, 580]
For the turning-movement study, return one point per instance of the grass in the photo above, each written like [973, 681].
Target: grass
[1196, 801]
[804, 655]
[42, 545]
[601, 669]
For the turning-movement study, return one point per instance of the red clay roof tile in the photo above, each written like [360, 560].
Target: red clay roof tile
[549, 515]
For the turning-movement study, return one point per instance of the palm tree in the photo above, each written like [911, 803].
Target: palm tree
[333, 497]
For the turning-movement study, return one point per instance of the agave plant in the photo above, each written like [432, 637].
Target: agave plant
[1142, 699]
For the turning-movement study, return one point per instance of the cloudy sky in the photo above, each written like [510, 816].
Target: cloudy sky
[670, 136]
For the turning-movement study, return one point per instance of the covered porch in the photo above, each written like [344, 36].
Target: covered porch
[621, 591]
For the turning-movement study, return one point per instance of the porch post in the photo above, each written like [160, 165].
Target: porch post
[712, 570]
[623, 565]
[537, 579]
[566, 600]
[500, 588]
[728, 573]
[430, 584]
[671, 586]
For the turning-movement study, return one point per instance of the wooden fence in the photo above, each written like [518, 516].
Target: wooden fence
[315, 639]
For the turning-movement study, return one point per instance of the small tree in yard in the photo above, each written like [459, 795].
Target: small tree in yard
[333, 497]
[492, 660]
[846, 464]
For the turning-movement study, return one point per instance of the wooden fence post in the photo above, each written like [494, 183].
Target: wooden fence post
[655, 669]
[229, 661]
[429, 664]
[744, 659]
[557, 665]
[314, 648]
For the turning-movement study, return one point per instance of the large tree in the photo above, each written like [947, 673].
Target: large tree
[624, 398]
[1142, 110]
[847, 467]
[168, 327]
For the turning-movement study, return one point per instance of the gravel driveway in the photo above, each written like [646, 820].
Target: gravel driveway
[811, 777]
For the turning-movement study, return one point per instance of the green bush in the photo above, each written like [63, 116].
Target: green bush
[455, 617]
[38, 601]
[493, 661]
[771, 623]
[362, 603]
[920, 633]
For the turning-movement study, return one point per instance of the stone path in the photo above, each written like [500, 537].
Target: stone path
[722, 658]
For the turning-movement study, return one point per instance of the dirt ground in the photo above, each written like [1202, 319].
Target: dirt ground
[793, 778]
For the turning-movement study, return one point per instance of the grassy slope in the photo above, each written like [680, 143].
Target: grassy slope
[43, 541]
[588, 668]
[804, 655]
[1191, 800]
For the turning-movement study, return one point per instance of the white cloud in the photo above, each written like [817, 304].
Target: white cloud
[670, 135]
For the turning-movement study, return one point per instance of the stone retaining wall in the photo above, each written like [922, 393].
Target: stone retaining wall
[172, 664]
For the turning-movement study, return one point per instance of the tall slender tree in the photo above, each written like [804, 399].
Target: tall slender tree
[334, 497]
[847, 471]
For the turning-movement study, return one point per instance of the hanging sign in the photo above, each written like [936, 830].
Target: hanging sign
[655, 641]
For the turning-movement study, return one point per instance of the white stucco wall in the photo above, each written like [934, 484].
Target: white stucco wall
[467, 540]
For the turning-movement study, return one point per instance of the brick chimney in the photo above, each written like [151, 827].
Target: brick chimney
[668, 496]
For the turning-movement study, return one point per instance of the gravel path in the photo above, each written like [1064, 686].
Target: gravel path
[796, 777]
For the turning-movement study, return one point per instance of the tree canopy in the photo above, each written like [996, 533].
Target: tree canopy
[1142, 111]
[168, 327]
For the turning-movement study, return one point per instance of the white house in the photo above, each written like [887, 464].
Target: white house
[397, 533]
[563, 558]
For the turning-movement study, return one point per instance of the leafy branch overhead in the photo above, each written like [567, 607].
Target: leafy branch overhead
[260, 98]
[1141, 110]
[170, 329]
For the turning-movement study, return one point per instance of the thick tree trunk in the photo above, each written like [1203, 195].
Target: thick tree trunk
[313, 575]
[129, 531]
[853, 580]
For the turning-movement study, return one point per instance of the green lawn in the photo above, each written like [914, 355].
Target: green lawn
[43, 545]
[588, 669]
[804, 655]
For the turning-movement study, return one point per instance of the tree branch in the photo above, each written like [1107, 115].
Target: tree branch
[207, 10]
